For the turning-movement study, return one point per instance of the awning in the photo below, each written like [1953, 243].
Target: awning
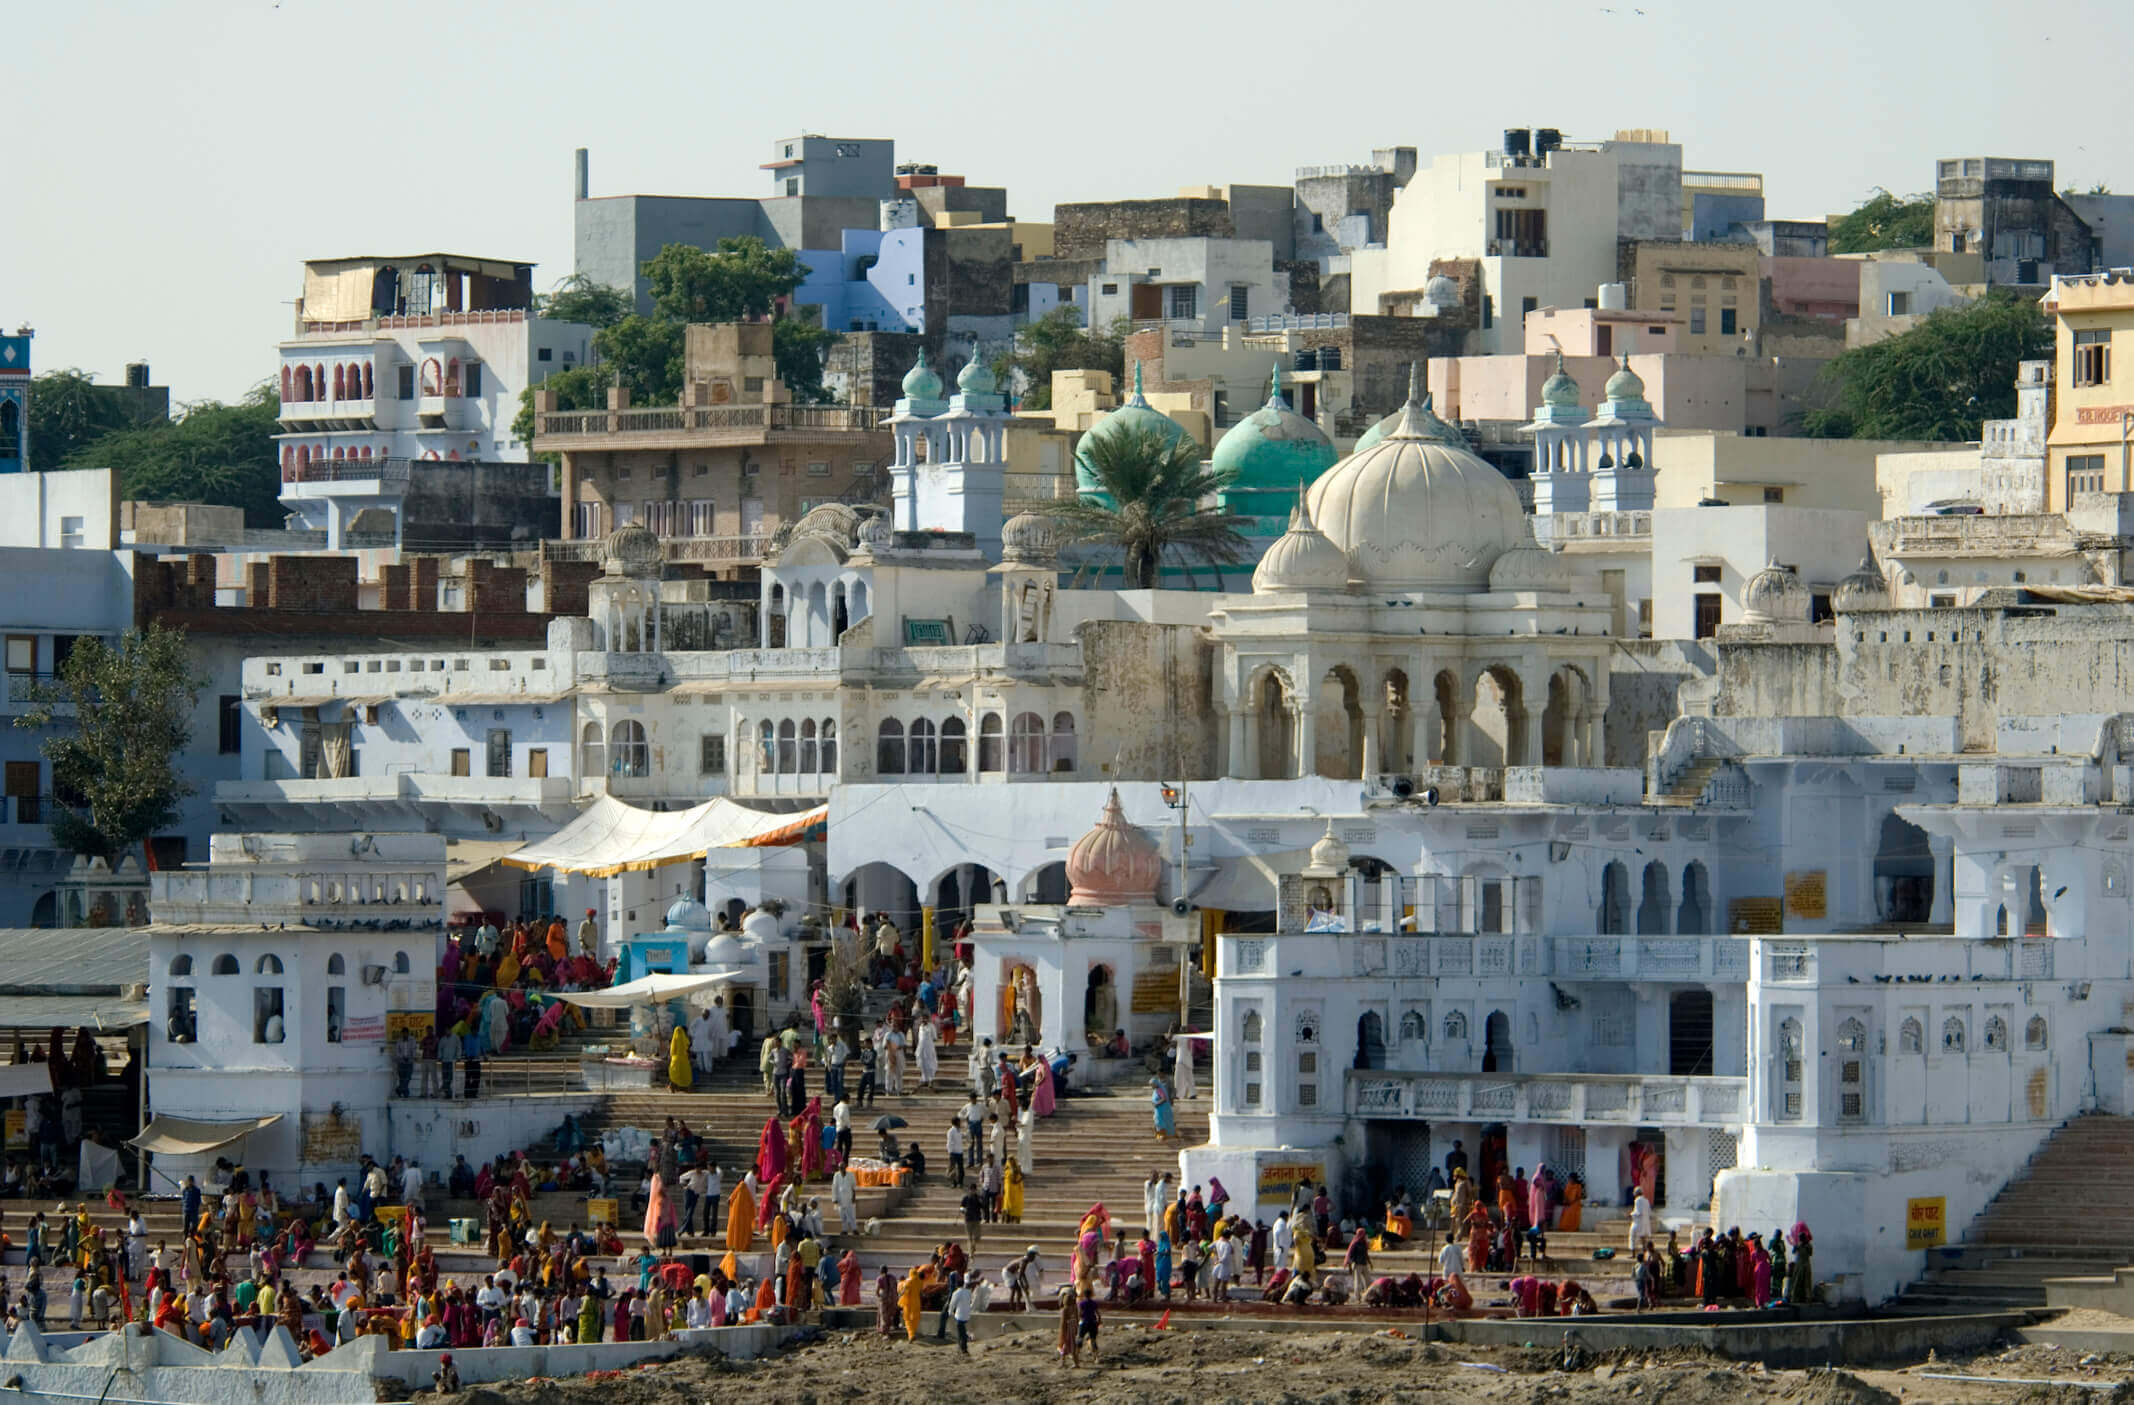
[648, 990]
[465, 858]
[612, 837]
[324, 700]
[181, 1136]
[23, 1080]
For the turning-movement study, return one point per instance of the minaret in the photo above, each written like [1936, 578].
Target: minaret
[1622, 431]
[920, 441]
[1560, 480]
[964, 493]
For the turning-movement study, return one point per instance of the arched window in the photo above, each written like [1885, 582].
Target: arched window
[1456, 1025]
[340, 382]
[452, 377]
[990, 737]
[401, 965]
[591, 754]
[1307, 1027]
[1414, 1026]
[829, 746]
[303, 384]
[369, 385]
[1026, 745]
[1852, 1071]
[269, 965]
[1251, 1029]
[303, 457]
[628, 754]
[955, 752]
[225, 965]
[318, 380]
[1952, 1035]
[766, 748]
[267, 1026]
[808, 763]
[1911, 1037]
[889, 748]
[433, 377]
[2034, 1033]
[1996, 1035]
[1789, 1070]
[922, 758]
[181, 965]
[335, 966]
[788, 758]
[1063, 748]
[1370, 1041]
[287, 386]
[774, 620]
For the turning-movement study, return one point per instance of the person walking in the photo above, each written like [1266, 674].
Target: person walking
[959, 1307]
[955, 1151]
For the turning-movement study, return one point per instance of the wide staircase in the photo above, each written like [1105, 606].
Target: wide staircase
[2068, 1213]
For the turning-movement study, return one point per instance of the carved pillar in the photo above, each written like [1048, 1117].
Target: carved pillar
[1237, 743]
[1307, 738]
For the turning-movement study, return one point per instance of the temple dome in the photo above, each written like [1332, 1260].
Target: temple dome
[1560, 390]
[1413, 512]
[1135, 414]
[1441, 291]
[1116, 864]
[1273, 448]
[632, 550]
[1301, 559]
[1775, 595]
[1329, 857]
[1418, 404]
[976, 378]
[1864, 589]
[1030, 537]
[1625, 384]
[920, 382]
[688, 915]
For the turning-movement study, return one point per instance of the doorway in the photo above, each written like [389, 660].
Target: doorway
[1370, 1041]
[1497, 1043]
[1689, 1034]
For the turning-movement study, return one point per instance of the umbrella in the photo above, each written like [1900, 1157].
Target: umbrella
[885, 1123]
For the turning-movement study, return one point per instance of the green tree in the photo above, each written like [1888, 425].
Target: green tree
[644, 355]
[579, 299]
[1059, 342]
[1148, 503]
[579, 388]
[799, 348]
[115, 773]
[68, 413]
[741, 282]
[213, 453]
[1941, 379]
[1884, 221]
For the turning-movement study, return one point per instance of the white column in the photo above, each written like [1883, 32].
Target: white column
[1307, 738]
[1371, 762]
[1237, 743]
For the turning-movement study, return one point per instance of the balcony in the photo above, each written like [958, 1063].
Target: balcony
[703, 426]
[18, 693]
[335, 478]
[719, 549]
[1518, 248]
[313, 415]
[1465, 956]
[1569, 1098]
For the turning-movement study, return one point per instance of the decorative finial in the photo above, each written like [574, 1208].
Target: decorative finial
[1137, 380]
[1274, 387]
[1559, 361]
[1415, 382]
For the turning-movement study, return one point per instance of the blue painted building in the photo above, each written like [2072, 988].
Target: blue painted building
[15, 401]
[874, 282]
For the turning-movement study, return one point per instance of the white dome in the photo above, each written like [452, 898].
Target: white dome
[1441, 291]
[760, 926]
[1775, 595]
[688, 915]
[1532, 566]
[1864, 589]
[727, 950]
[1301, 559]
[1413, 512]
[1329, 857]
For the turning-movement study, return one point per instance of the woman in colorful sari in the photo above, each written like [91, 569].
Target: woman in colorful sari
[741, 1216]
[812, 1163]
[1011, 1193]
[1043, 1101]
[1160, 1100]
[1477, 1238]
[680, 1073]
[848, 1279]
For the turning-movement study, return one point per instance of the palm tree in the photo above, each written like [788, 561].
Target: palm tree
[1148, 500]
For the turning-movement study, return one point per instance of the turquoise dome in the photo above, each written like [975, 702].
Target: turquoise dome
[976, 378]
[1426, 419]
[1625, 384]
[1559, 389]
[1273, 448]
[1135, 414]
[920, 382]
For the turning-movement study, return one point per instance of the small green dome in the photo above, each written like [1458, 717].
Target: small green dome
[1625, 384]
[1135, 414]
[976, 378]
[1273, 448]
[1559, 389]
[920, 382]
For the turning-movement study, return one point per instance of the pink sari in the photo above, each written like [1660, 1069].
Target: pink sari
[1042, 1101]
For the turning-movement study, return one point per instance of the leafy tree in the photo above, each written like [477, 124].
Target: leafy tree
[741, 282]
[69, 412]
[115, 773]
[644, 356]
[213, 453]
[1059, 342]
[1884, 222]
[798, 348]
[1941, 379]
[579, 299]
[1148, 503]
[579, 388]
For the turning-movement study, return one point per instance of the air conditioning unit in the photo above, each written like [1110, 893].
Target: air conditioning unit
[374, 975]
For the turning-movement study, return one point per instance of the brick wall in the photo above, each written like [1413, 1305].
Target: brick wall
[566, 583]
[494, 589]
[312, 583]
[1079, 231]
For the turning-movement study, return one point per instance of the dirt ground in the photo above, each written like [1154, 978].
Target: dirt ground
[1302, 1368]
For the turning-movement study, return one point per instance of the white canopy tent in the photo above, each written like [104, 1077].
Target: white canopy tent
[612, 837]
[648, 990]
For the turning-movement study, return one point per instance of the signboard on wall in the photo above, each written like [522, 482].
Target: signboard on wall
[1926, 1222]
[1805, 895]
[18, 1129]
[1755, 917]
[1279, 1180]
[363, 1029]
[603, 1211]
[415, 1022]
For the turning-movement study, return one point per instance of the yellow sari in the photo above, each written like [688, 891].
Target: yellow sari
[1011, 1194]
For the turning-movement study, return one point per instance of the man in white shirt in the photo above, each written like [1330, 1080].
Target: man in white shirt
[1282, 1239]
[523, 1333]
[490, 1299]
[694, 1181]
[955, 1151]
[844, 1193]
[340, 1204]
[1451, 1260]
[431, 1337]
[699, 1310]
[959, 1307]
[411, 1186]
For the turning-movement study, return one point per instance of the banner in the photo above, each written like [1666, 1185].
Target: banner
[1926, 1222]
[365, 1029]
[1279, 1180]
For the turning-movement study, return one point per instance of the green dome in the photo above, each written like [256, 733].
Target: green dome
[1135, 414]
[1560, 390]
[1625, 384]
[976, 378]
[1273, 448]
[920, 382]
[1432, 426]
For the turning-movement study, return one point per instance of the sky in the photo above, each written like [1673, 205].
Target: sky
[176, 162]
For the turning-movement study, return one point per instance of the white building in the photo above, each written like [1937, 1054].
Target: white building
[1189, 284]
[1541, 224]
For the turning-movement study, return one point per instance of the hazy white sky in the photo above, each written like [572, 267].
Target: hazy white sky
[174, 163]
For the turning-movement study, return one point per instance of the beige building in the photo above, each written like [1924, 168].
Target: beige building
[2093, 389]
[1712, 287]
[715, 476]
[1738, 469]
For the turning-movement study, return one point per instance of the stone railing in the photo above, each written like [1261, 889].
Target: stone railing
[1634, 1100]
[711, 419]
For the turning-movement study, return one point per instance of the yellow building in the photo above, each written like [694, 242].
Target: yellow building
[1712, 287]
[2093, 387]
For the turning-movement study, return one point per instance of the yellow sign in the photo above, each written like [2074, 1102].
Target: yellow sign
[1280, 1181]
[18, 1129]
[602, 1211]
[1926, 1222]
[1755, 917]
[390, 1214]
[1804, 894]
[415, 1022]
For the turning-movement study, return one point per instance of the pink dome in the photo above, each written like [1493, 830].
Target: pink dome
[1115, 864]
